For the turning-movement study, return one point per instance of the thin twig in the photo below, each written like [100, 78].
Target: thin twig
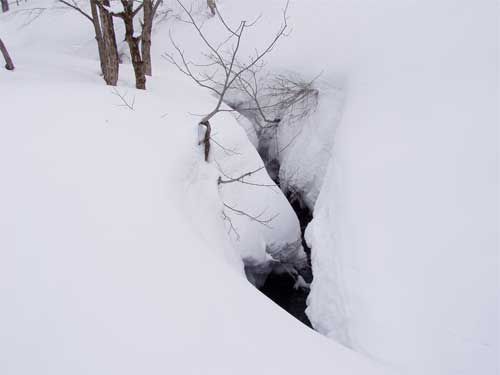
[228, 151]
[75, 6]
[256, 218]
[124, 101]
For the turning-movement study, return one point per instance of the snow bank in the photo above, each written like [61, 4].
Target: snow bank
[404, 239]
[275, 237]
[114, 256]
[405, 248]
[305, 147]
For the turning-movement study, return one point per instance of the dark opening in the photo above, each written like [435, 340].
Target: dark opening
[281, 285]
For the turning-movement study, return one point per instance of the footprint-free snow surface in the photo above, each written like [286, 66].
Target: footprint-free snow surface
[115, 257]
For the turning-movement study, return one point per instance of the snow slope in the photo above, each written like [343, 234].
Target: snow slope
[405, 235]
[114, 255]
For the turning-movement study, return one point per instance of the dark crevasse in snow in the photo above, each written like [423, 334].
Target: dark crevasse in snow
[281, 285]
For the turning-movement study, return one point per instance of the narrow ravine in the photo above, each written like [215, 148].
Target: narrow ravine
[283, 286]
[286, 285]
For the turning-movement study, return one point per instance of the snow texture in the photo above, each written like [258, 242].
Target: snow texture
[403, 154]
[114, 254]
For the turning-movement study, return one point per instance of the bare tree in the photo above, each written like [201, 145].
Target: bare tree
[5, 5]
[9, 65]
[139, 46]
[101, 17]
[127, 15]
[102, 22]
[110, 55]
[224, 67]
[219, 73]
[150, 9]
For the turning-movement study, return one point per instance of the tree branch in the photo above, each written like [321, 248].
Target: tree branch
[256, 218]
[78, 9]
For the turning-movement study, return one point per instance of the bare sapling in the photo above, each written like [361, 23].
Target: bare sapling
[225, 67]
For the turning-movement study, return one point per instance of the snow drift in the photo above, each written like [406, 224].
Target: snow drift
[402, 152]
[114, 254]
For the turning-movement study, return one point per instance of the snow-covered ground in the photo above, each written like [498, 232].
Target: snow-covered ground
[405, 234]
[114, 254]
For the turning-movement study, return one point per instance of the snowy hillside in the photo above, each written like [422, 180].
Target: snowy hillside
[408, 215]
[122, 252]
[405, 233]
[114, 255]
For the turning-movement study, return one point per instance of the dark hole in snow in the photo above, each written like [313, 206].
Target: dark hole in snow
[281, 286]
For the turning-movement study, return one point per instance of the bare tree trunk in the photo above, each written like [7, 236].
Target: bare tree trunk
[102, 21]
[150, 8]
[211, 5]
[110, 49]
[98, 38]
[127, 16]
[9, 65]
[147, 28]
[5, 5]
[135, 53]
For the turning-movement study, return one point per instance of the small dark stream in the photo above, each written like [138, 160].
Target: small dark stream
[279, 286]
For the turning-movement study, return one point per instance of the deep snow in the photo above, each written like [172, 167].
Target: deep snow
[114, 254]
[405, 234]
[115, 257]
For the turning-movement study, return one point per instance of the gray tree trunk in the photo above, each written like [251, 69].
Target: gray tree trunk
[98, 38]
[147, 28]
[150, 9]
[9, 65]
[5, 5]
[110, 50]
[135, 53]
[133, 44]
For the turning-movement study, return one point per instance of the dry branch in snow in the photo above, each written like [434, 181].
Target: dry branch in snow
[124, 102]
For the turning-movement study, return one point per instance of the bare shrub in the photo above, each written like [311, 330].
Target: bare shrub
[224, 67]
